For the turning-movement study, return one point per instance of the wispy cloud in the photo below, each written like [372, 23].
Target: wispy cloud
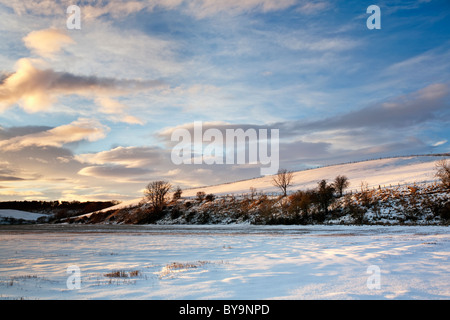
[123, 8]
[206, 8]
[313, 7]
[130, 157]
[81, 129]
[116, 110]
[114, 172]
[399, 112]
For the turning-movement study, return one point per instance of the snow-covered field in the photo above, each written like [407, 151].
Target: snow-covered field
[10, 216]
[224, 262]
[18, 214]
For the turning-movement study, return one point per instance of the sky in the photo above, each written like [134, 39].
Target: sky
[88, 113]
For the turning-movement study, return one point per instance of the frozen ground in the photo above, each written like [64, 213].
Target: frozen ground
[225, 262]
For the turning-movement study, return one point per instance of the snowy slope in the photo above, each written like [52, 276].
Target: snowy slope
[383, 172]
[380, 172]
[17, 214]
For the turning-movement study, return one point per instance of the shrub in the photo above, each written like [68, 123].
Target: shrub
[200, 196]
[444, 212]
[300, 203]
[175, 212]
[177, 194]
[356, 212]
[443, 172]
[123, 274]
[324, 195]
[265, 208]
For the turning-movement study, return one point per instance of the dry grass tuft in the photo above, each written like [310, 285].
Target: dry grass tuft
[123, 274]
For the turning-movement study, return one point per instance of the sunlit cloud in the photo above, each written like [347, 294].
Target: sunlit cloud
[112, 171]
[81, 129]
[131, 157]
[440, 143]
[37, 89]
[15, 193]
[116, 110]
[48, 42]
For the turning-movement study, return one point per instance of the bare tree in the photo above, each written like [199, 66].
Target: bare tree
[340, 183]
[252, 193]
[443, 172]
[283, 180]
[156, 192]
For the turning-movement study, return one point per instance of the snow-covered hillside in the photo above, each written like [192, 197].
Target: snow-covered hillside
[8, 216]
[385, 191]
[381, 172]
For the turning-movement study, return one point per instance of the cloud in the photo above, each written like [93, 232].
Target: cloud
[313, 7]
[206, 8]
[304, 150]
[121, 8]
[116, 110]
[48, 42]
[400, 112]
[439, 143]
[138, 165]
[7, 175]
[43, 7]
[126, 163]
[300, 40]
[36, 89]
[354, 135]
[130, 157]
[7, 133]
[9, 178]
[112, 171]
[81, 129]
[13, 193]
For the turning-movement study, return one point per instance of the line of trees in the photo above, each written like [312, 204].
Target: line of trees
[156, 192]
[283, 179]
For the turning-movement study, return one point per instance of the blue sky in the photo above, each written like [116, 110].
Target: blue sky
[87, 114]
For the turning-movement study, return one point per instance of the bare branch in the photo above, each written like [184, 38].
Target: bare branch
[283, 180]
[156, 192]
